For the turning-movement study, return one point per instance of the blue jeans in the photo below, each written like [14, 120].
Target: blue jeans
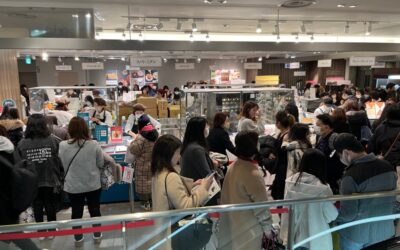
[346, 244]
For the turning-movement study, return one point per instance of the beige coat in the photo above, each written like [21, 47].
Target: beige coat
[179, 198]
[142, 149]
[243, 230]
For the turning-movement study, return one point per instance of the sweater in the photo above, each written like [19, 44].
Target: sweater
[364, 175]
[84, 172]
[246, 124]
[43, 153]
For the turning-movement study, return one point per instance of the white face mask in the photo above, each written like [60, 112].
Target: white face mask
[206, 132]
[137, 116]
[89, 104]
[317, 130]
[345, 159]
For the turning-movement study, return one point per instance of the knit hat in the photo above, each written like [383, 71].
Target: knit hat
[143, 121]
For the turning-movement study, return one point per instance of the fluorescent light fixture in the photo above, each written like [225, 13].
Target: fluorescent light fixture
[194, 27]
[165, 60]
[75, 16]
[198, 60]
[353, 6]
[278, 39]
[141, 37]
[293, 57]
[341, 5]
[123, 59]
[191, 38]
[88, 15]
[76, 58]
[208, 38]
[260, 59]
[259, 29]
[45, 56]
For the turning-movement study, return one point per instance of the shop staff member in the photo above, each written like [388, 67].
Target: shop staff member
[100, 115]
[132, 127]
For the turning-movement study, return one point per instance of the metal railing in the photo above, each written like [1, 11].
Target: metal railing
[143, 216]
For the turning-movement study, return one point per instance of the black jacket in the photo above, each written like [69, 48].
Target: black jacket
[14, 130]
[383, 138]
[197, 164]
[219, 142]
[341, 127]
[278, 186]
[356, 120]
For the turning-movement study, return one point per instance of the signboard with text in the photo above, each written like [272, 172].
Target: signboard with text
[93, 66]
[325, 63]
[184, 66]
[362, 61]
[64, 67]
[146, 62]
[253, 65]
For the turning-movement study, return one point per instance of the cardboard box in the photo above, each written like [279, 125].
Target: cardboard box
[163, 113]
[162, 104]
[152, 112]
[174, 111]
[148, 102]
[124, 111]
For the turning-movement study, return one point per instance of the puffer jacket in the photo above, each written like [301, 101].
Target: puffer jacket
[357, 119]
[295, 151]
[383, 138]
[15, 130]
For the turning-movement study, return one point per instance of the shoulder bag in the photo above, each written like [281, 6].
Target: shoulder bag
[73, 158]
[192, 233]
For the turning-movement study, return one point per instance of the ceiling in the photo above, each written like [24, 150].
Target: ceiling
[235, 20]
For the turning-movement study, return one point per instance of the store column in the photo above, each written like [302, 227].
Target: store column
[9, 79]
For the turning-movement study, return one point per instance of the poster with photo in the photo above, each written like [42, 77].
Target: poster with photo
[111, 77]
[137, 78]
[124, 77]
[151, 76]
[224, 76]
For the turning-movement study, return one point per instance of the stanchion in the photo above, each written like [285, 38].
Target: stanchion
[124, 240]
[290, 228]
[131, 197]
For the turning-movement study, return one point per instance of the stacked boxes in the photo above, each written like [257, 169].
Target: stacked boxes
[162, 106]
[151, 105]
[174, 111]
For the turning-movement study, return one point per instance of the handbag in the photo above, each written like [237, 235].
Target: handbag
[106, 176]
[273, 243]
[194, 236]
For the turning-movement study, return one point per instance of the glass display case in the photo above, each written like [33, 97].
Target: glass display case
[44, 99]
[207, 102]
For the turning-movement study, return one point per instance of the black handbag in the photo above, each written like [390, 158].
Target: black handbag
[196, 235]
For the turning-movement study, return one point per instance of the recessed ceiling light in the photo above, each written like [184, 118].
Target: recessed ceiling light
[194, 27]
[198, 60]
[76, 58]
[341, 5]
[75, 16]
[353, 6]
[259, 29]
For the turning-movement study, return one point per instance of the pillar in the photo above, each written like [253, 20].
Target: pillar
[9, 79]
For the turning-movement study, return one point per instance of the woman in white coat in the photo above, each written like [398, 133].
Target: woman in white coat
[310, 218]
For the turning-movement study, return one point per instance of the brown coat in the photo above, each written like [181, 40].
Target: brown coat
[243, 230]
[142, 150]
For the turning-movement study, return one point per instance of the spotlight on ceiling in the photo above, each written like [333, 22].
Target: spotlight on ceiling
[341, 5]
[45, 56]
[259, 29]
[191, 37]
[368, 30]
[194, 27]
[353, 6]
[88, 15]
[208, 38]
[347, 28]
[260, 59]
[76, 58]
[165, 60]
[141, 37]
[198, 60]
[123, 59]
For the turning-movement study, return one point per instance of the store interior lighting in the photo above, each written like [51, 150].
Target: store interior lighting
[123, 59]
[45, 56]
[76, 58]
[341, 5]
[194, 27]
[88, 15]
[165, 60]
[123, 36]
[141, 37]
[296, 38]
[191, 37]
[207, 38]
[260, 59]
[259, 29]
[75, 16]
[198, 60]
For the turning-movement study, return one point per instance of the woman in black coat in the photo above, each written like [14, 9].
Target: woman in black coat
[218, 139]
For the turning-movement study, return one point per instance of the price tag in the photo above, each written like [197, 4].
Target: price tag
[128, 175]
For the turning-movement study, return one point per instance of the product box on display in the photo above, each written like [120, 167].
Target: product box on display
[101, 134]
[174, 111]
[152, 112]
[162, 113]
[148, 102]
[116, 134]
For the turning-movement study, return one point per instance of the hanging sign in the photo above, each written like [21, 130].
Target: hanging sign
[184, 66]
[93, 66]
[362, 61]
[379, 65]
[64, 67]
[253, 65]
[325, 63]
[299, 73]
[146, 62]
[269, 79]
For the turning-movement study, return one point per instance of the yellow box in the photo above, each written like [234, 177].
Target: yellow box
[152, 112]
[148, 102]
[162, 113]
[269, 79]
[174, 111]
[162, 104]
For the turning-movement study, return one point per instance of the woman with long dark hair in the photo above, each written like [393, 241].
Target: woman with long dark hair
[196, 162]
[339, 119]
[298, 143]
[218, 139]
[310, 218]
[82, 159]
[41, 148]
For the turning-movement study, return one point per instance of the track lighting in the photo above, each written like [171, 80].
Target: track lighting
[259, 29]
[194, 27]
[141, 37]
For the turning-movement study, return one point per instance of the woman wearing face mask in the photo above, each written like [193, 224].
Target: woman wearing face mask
[250, 120]
[196, 162]
[177, 96]
[100, 115]
[169, 190]
[218, 139]
[132, 127]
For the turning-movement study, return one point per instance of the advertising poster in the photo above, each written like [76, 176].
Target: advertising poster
[374, 109]
[151, 76]
[100, 134]
[137, 78]
[111, 77]
[116, 134]
[224, 76]
[124, 77]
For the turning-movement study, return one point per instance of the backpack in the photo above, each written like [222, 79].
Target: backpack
[24, 183]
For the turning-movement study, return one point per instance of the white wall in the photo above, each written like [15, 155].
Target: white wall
[47, 75]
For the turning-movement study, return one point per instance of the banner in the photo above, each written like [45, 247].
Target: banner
[111, 77]
[146, 62]
[253, 66]
[64, 67]
[299, 73]
[93, 66]
[184, 66]
[325, 63]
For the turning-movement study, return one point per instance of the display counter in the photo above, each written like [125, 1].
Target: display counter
[207, 102]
